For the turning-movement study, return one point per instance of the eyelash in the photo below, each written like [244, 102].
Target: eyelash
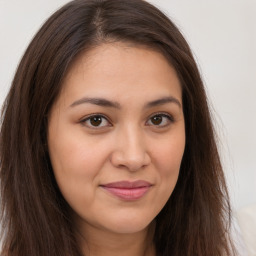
[89, 118]
[162, 115]
[83, 122]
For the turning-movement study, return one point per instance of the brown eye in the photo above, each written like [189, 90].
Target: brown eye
[160, 120]
[156, 120]
[96, 121]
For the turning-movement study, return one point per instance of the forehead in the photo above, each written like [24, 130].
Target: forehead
[119, 70]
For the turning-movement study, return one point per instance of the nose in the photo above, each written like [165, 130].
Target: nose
[130, 151]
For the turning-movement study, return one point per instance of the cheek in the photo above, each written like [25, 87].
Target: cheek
[169, 153]
[168, 156]
[72, 154]
[76, 166]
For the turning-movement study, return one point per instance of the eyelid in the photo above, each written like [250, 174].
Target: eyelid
[163, 114]
[86, 118]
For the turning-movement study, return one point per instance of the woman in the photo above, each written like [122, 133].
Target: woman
[107, 145]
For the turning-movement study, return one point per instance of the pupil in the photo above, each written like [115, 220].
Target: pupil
[157, 120]
[96, 120]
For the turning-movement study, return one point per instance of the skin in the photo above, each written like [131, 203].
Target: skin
[125, 143]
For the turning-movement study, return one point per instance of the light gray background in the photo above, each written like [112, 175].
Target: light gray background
[222, 35]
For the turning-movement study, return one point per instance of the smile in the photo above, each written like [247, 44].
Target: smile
[127, 190]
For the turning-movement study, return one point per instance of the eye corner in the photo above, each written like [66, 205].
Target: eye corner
[100, 122]
[163, 120]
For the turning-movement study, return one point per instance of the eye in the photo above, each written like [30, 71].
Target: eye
[160, 120]
[96, 121]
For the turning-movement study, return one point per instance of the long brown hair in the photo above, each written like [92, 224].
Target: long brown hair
[35, 217]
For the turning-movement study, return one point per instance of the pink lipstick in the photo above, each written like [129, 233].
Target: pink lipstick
[127, 190]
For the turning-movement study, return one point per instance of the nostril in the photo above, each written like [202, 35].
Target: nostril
[132, 162]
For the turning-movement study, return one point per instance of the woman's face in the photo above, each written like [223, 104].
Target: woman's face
[116, 137]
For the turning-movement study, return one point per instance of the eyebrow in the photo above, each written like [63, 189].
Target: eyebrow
[97, 101]
[113, 104]
[163, 101]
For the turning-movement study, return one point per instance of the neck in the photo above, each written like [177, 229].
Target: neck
[96, 242]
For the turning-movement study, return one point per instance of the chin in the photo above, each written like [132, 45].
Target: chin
[129, 225]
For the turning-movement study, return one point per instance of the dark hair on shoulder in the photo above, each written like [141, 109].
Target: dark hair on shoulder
[35, 217]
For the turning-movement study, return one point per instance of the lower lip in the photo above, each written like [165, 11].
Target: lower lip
[128, 194]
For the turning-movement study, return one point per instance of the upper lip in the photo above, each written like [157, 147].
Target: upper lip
[128, 184]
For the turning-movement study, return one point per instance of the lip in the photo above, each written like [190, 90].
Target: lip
[127, 190]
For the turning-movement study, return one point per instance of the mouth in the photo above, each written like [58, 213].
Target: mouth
[127, 190]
